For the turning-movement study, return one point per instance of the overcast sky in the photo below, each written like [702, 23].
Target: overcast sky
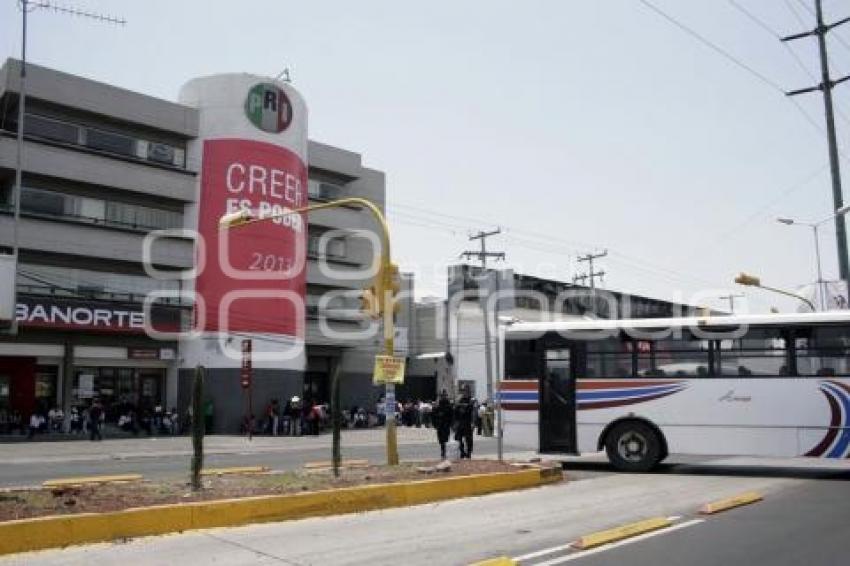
[575, 126]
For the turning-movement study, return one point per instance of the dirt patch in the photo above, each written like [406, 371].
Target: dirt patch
[115, 497]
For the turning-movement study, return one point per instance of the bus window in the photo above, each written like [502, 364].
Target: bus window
[521, 359]
[822, 352]
[608, 358]
[686, 357]
[761, 352]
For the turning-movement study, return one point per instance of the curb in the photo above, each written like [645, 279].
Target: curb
[234, 470]
[619, 533]
[58, 531]
[730, 503]
[89, 480]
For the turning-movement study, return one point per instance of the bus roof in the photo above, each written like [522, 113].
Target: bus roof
[523, 329]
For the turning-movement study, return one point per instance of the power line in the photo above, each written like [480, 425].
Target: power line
[713, 46]
[729, 57]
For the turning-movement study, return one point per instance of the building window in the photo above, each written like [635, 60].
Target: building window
[87, 209]
[51, 129]
[108, 141]
[61, 131]
[319, 190]
[52, 280]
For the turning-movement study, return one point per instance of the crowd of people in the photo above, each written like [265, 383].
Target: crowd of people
[91, 420]
[295, 417]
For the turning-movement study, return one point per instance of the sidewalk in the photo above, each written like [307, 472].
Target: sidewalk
[159, 446]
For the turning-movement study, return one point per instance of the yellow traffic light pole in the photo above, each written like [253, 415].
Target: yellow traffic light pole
[245, 217]
[753, 281]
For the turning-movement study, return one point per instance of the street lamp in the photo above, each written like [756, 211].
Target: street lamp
[814, 226]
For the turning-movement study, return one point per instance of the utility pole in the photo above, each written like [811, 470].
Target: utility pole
[27, 6]
[826, 86]
[482, 255]
[731, 298]
[591, 274]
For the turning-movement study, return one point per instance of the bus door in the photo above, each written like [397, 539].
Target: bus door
[558, 403]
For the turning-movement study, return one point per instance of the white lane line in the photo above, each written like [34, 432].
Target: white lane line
[553, 549]
[544, 552]
[577, 555]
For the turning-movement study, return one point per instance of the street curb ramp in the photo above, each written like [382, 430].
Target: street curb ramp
[59, 531]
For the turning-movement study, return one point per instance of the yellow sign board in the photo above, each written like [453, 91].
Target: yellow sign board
[388, 369]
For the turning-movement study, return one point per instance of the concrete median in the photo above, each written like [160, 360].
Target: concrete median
[59, 531]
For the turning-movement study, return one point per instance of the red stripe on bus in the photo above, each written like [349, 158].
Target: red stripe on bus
[519, 385]
[519, 406]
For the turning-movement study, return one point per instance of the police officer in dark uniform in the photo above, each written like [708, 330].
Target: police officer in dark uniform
[442, 416]
[464, 417]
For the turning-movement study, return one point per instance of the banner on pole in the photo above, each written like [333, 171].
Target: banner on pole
[388, 369]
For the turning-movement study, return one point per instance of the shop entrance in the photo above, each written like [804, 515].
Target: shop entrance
[119, 389]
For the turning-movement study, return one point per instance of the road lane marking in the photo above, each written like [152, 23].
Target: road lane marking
[730, 502]
[544, 552]
[598, 549]
[560, 547]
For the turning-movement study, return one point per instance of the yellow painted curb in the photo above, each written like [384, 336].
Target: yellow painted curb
[619, 533]
[500, 561]
[730, 502]
[90, 480]
[234, 470]
[329, 464]
[50, 532]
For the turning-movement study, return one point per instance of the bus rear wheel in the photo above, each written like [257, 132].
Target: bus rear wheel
[633, 446]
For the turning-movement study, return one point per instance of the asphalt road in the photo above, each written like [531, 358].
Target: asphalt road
[807, 525]
[804, 519]
[165, 457]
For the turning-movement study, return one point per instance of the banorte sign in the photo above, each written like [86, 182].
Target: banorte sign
[252, 150]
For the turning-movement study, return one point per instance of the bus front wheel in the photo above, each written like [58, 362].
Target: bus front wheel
[633, 446]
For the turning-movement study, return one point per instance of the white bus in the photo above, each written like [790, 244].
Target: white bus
[759, 385]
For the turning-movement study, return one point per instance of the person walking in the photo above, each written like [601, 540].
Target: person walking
[442, 416]
[464, 417]
[95, 416]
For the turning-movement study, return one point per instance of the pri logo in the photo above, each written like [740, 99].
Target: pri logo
[268, 108]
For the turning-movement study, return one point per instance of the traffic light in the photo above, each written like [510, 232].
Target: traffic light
[391, 290]
[748, 280]
[369, 303]
[380, 296]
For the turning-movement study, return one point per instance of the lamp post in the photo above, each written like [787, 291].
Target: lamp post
[244, 217]
[814, 226]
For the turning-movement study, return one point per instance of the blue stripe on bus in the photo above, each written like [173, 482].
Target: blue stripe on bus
[519, 396]
[623, 393]
[844, 440]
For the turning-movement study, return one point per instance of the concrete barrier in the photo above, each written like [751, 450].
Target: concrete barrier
[58, 531]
